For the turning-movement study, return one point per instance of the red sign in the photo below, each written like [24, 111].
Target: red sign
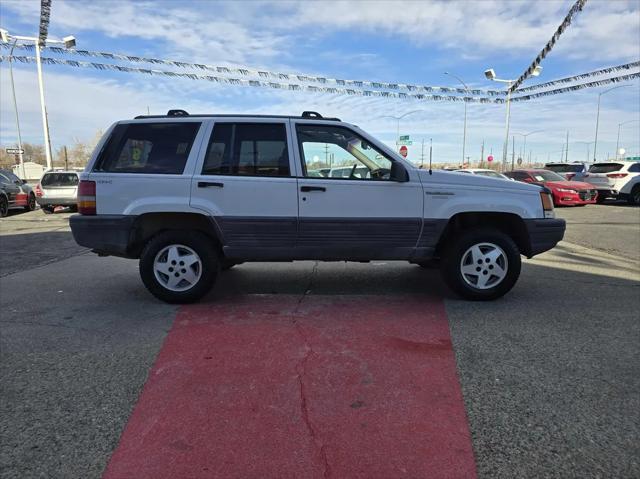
[404, 151]
[490, 158]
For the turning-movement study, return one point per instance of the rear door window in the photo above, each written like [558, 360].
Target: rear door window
[59, 179]
[148, 148]
[248, 149]
[605, 167]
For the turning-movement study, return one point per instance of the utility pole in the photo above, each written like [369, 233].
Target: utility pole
[66, 158]
[513, 151]
[482, 155]
[566, 153]
[326, 154]
[422, 155]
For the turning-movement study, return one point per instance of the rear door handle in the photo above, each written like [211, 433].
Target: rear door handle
[312, 188]
[207, 184]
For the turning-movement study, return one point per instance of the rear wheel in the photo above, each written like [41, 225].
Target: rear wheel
[4, 206]
[481, 265]
[634, 197]
[179, 266]
[31, 202]
[47, 210]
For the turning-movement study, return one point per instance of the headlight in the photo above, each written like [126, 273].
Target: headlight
[567, 190]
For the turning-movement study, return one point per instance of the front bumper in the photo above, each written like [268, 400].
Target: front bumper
[544, 234]
[104, 234]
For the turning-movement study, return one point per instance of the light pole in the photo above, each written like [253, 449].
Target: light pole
[15, 107]
[586, 143]
[490, 74]
[618, 140]
[398, 118]
[595, 146]
[464, 131]
[525, 135]
[68, 42]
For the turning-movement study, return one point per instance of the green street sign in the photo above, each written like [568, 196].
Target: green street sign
[632, 158]
[404, 138]
[404, 142]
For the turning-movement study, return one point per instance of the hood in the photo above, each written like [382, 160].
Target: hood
[574, 185]
[442, 177]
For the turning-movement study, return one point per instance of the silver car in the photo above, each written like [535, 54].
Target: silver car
[57, 188]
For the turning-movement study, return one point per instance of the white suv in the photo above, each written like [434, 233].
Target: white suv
[190, 195]
[611, 177]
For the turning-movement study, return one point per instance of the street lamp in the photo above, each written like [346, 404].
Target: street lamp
[490, 74]
[398, 118]
[595, 146]
[618, 140]
[68, 42]
[524, 148]
[464, 131]
[3, 34]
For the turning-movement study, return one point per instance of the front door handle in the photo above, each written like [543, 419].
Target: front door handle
[207, 184]
[312, 188]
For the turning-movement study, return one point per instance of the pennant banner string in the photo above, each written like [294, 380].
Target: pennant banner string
[577, 7]
[45, 13]
[258, 83]
[244, 71]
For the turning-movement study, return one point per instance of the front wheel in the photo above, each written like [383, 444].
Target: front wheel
[179, 267]
[481, 265]
[4, 206]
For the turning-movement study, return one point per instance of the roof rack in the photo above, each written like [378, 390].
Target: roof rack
[306, 115]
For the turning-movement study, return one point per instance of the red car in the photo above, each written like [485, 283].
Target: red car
[565, 193]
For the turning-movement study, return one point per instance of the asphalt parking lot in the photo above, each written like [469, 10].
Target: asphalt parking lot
[547, 378]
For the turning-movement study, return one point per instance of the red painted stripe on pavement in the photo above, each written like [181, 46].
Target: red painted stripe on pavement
[290, 387]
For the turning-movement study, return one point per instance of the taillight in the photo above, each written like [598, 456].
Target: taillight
[547, 204]
[87, 197]
[616, 175]
[39, 191]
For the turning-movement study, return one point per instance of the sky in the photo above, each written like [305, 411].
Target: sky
[411, 42]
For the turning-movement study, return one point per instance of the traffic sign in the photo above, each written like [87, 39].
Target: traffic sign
[15, 151]
[404, 151]
[404, 138]
[490, 158]
[404, 142]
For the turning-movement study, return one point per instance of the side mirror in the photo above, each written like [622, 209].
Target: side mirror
[398, 173]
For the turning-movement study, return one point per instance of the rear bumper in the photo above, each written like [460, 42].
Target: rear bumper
[104, 234]
[69, 201]
[544, 234]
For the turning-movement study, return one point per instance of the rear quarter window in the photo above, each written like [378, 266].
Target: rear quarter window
[148, 148]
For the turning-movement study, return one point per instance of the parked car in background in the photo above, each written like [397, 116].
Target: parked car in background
[571, 171]
[631, 191]
[57, 188]
[611, 177]
[565, 193]
[16, 193]
[483, 172]
[354, 171]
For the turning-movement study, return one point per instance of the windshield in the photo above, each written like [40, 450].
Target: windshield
[605, 167]
[59, 179]
[565, 168]
[492, 174]
[543, 175]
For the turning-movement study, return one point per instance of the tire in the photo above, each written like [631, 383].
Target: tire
[157, 268]
[634, 197]
[496, 250]
[47, 210]
[600, 199]
[4, 206]
[31, 203]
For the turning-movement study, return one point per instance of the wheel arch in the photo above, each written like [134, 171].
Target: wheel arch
[508, 223]
[149, 225]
